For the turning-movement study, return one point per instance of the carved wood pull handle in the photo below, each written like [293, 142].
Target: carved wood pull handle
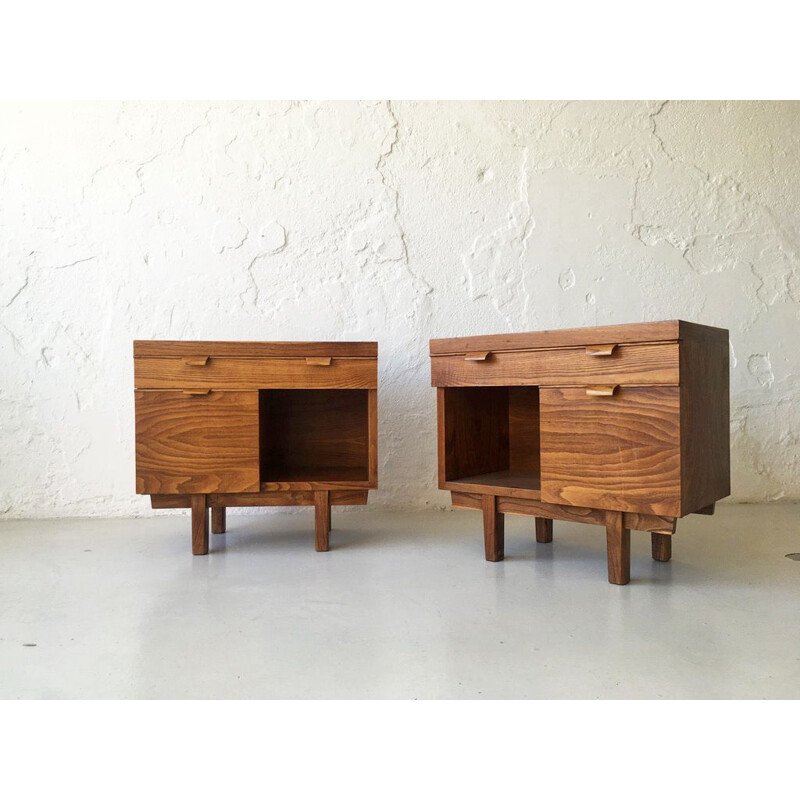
[600, 349]
[600, 391]
[319, 361]
[483, 355]
[195, 361]
[196, 392]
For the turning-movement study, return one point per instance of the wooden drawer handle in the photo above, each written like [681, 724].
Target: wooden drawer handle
[483, 355]
[600, 391]
[195, 361]
[319, 361]
[600, 349]
[196, 392]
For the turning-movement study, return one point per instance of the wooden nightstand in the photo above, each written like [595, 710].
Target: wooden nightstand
[222, 424]
[625, 426]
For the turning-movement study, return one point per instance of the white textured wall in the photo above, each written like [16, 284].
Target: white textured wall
[390, 221]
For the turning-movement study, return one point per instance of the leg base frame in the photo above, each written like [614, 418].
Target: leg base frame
[200, 504]
[618, 525]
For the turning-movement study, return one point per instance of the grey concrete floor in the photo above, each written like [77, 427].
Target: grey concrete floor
[403, 606]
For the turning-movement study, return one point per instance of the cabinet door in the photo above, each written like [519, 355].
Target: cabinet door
[196, 443]
[619, 452]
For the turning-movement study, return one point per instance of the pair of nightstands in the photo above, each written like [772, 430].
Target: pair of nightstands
[625, 426]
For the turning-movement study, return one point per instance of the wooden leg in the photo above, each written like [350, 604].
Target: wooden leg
[618, 542]
[322, 520]
[218, 520]
[544, 530]
[199, 525]
[662, 546]
[493, 529]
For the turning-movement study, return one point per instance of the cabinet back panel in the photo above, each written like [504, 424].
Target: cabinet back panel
[304, 432]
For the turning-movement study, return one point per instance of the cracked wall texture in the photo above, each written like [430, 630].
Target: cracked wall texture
[392, 221]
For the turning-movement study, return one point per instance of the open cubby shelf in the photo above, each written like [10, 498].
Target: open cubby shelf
[491, 437]
[314, 435]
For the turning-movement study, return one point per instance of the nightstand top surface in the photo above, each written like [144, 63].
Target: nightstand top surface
[154, 348]
[668, 330]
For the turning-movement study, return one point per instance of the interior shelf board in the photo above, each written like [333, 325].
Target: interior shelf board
[510, 480]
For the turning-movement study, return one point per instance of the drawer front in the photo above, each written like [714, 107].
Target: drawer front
[197, 443]
[619, 452]
[255, 373]
[624, 364]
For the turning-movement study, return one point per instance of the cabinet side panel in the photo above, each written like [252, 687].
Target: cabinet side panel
[705, 420]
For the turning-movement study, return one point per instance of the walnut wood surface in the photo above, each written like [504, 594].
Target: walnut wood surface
[218, 521]
[536, 508]
[199, 525]
[523, 431]
[661, 546]
[341, 497]
[631, 364]
[220, 372]
[162, 348]
[618, 542]
[705, 420]
[200, 444]
[473, 426]
[322, 521]
[620, 452]
[314, 436]
[493, 529]
[544, 530]
[669, 330]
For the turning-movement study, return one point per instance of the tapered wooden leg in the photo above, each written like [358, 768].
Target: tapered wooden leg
[493, 529]
[218, 524]
[618, 542]
[199, 525]
[544, 530]
[662, 546]
[322, 520]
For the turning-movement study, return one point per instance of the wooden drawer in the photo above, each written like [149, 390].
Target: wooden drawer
[192, 443]
[619, 452]
[634, 364]
[255, 373]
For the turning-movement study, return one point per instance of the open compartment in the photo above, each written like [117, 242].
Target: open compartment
[490, 437]
[309, 435]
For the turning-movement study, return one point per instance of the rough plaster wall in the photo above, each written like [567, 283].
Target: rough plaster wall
[390, 221]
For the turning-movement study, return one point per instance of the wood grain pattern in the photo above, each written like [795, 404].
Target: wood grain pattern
[372, 438]
[505, 482]
[661, 546]
[474, 423]
[143, 348]
[536, 508]
[322, 521]
[568, 337]
[198, 444]
[705, 418]
[619, 453]
[199, 525]
[544, 530]
[618, 542]
[218, 521]
[341, 497]
[493, 529]
[221, 372]
[523, 430]
[314, 436]
[629, 364]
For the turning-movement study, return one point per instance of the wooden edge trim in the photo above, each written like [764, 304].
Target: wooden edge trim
[246, 499]
[595, 516]
[707, 510]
